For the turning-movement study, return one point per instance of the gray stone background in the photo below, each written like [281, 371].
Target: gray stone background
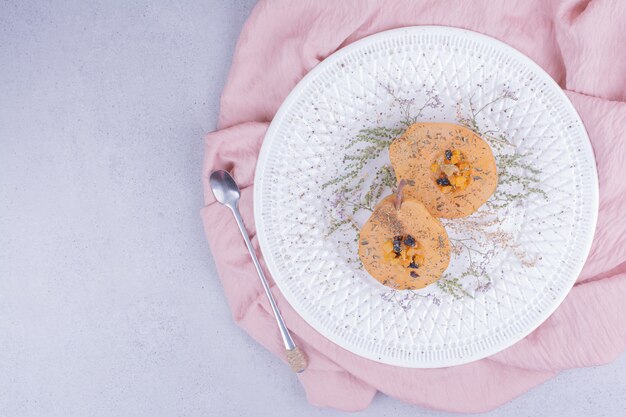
[109, 300]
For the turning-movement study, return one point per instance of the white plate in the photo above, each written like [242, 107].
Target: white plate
[513, 261]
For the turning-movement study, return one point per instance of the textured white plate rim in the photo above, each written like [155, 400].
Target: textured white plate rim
[263, 158]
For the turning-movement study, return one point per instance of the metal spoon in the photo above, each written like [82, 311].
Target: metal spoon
[226, 192]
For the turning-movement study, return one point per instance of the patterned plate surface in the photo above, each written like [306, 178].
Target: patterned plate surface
[324, 164]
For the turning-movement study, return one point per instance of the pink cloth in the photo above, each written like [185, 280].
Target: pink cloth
[580, 43]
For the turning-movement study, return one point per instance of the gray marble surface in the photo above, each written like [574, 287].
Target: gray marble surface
[109, 300]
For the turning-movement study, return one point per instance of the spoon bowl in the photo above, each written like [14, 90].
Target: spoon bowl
[224, 188]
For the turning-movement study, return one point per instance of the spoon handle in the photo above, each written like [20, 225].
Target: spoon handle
[287, 340]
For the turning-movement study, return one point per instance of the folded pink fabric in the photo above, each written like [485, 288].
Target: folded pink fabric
[580, 43]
